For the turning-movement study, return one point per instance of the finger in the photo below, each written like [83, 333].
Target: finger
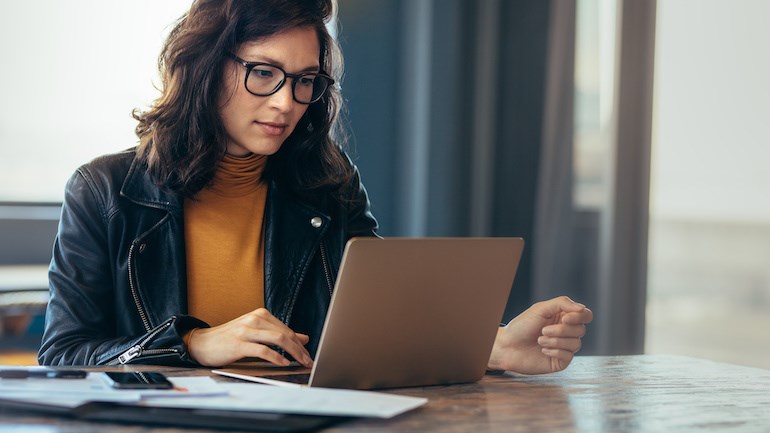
[287, 342]
[302, 339]
[261, 319]
[569, 344]
[562, 330]
[555, 306]
[562, 357]
[264, 352]
[578, 317]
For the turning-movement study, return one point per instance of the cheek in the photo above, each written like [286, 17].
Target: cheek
[226, 109]
[228, 116]
[232, 103]
[238, 108]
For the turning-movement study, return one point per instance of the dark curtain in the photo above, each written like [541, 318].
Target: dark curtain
[445, 106]
[461, 113]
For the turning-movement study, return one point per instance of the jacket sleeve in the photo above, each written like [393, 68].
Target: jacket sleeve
[360, 220]
[80, 324]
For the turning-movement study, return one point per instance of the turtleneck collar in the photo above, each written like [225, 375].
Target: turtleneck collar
[238, 175]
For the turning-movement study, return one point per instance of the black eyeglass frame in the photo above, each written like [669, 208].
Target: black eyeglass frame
[294, 77]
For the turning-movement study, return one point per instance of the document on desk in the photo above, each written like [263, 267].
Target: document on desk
[206, 393]
[74, 392]
[309, 401]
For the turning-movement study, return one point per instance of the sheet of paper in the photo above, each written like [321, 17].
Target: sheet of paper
[204, 392]
[304, 400]
[71, 400]
[72, 392]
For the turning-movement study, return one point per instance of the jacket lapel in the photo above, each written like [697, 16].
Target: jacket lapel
[161, 281]
[293, 232]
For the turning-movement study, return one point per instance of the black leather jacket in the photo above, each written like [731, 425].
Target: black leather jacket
[118, 277]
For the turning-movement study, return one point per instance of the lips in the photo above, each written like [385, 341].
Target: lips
[272, 128]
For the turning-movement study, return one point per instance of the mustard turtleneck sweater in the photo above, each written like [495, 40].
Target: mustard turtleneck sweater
[224, 239]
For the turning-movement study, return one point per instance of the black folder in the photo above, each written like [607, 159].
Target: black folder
[179, 417]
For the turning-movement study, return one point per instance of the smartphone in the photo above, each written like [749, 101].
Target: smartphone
[138, 380]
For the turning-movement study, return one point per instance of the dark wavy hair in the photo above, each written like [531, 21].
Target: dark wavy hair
[181, 137]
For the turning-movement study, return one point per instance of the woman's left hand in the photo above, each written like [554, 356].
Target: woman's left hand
[542, 339]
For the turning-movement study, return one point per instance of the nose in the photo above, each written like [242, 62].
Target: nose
[283, 99]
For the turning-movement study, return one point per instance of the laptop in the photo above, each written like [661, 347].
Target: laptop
[411, 312]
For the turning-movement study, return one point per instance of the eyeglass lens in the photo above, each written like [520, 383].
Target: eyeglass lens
[267, 79]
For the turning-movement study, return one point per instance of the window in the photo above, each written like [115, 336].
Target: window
[72, 72]
[594, 92]
[709, 263]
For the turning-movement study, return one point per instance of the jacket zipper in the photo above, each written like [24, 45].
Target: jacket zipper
[138, 349]
[134, 292]
[327, 273]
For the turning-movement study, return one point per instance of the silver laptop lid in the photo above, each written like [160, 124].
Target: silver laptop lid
[415, 311]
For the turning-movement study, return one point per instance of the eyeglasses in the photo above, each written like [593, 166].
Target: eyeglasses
[264, 79]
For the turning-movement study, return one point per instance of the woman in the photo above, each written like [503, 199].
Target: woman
[217, 238]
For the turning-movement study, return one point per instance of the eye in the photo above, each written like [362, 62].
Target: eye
[306, 80]
[262, 72]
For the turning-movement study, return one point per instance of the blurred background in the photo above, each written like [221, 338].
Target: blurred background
[625, 140]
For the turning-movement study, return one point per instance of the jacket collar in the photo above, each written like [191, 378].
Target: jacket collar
[140, 188]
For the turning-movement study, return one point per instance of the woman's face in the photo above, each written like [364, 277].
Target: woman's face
[260, 124]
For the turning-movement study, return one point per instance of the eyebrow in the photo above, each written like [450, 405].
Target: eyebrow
[273, 61]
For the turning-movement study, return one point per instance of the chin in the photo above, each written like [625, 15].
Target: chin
[268, 147]
[267, 150]
[258, 149]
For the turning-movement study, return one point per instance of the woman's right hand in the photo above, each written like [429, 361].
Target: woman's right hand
[248, 336]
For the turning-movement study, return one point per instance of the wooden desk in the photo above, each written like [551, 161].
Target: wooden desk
[596, 394]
